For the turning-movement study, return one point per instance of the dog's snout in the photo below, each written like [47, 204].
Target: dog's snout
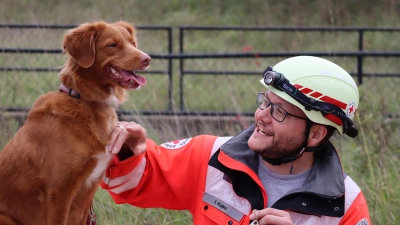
[145, 58]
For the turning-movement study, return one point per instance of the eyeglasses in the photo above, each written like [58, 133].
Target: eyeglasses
[277, 112]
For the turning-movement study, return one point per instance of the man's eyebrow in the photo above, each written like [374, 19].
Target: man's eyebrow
[288, 107]
[276, 103]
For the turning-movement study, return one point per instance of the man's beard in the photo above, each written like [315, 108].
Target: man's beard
[284, 148]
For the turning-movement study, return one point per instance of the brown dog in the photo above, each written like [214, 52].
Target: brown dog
[50, 170]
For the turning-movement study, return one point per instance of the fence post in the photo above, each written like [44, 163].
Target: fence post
[181, 67]
[360, 57]
[170, 68]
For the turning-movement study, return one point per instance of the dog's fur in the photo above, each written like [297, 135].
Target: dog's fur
[50, 170]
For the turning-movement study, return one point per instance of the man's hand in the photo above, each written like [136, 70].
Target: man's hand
[270, 216]
[129, 135]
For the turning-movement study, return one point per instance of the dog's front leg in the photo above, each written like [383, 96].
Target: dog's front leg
[58, 205]
[80, 209]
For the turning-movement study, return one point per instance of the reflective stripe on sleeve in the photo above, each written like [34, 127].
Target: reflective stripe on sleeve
[128, 181]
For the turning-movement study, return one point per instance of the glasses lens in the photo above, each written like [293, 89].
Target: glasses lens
[278, 113]
[261, 101]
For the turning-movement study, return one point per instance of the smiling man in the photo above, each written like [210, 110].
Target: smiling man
[281, 170]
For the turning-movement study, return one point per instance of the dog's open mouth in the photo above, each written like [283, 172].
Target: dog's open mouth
[125, 78]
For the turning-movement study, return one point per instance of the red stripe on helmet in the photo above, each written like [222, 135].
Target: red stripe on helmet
[316, 94]
[325, 98]
[336, 102]
[334, 119]
[306, 90]
[298, 86]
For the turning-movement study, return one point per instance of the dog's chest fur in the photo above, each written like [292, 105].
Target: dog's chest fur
[102, 161]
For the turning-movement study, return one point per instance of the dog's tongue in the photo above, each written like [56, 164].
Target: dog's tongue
[130, 75]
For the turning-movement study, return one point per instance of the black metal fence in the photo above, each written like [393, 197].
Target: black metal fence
[201, 49]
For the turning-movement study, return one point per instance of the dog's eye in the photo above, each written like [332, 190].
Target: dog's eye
[113, 45]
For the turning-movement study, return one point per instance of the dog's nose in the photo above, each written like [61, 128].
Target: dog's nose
[145, 58]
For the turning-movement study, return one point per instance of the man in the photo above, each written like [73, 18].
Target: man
[281, 170]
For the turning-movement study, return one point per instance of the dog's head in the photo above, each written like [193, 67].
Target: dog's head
[104, 56]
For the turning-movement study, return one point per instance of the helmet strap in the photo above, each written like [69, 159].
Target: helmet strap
[291, 169]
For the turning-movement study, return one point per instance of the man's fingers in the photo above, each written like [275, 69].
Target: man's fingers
[114, 135]
[135, 128]
[273, 216]
[139, 149]
[132, 134]
[272, 211]
[276, 220]
[122, 137]
[137, 141]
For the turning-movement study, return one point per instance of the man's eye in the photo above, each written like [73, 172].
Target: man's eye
[113, 45]
[281, 111]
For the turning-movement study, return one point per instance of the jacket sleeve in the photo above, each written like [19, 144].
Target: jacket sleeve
[358, 212]
[167, 176]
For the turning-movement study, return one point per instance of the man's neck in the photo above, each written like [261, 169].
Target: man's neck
[299, 165]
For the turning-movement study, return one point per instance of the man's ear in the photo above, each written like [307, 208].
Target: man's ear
[317, 133]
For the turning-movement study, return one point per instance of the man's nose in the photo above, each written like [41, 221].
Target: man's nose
[264, 115]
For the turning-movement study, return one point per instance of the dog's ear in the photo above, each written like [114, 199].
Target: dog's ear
[130, 28]
[80, 42]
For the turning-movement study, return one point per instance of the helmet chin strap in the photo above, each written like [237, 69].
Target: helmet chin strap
[303, 148]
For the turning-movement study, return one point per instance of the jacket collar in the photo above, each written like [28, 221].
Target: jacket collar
[326, 176]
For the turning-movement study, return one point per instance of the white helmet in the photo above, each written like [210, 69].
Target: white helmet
[315, 82]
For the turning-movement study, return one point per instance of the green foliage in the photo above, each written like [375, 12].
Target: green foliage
[109, 213]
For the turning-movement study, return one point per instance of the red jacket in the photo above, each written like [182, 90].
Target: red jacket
[219, 184]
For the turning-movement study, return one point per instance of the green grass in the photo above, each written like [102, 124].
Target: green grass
[371, 159]
[125, 214]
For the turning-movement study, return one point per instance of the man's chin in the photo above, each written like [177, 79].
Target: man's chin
[256, 143]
